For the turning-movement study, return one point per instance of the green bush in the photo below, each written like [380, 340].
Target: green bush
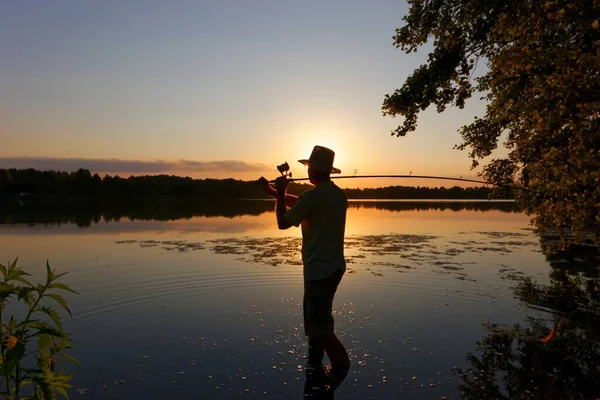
[32, 347]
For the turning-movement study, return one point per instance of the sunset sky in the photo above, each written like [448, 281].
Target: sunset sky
[212, 89]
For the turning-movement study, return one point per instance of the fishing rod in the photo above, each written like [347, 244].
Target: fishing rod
[285, 168]
[393, 176]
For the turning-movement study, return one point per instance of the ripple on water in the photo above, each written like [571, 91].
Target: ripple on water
[428, 261]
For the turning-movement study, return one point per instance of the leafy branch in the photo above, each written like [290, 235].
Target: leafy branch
[41, 327]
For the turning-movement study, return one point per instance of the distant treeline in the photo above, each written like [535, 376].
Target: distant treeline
[84, 183]
[411, 192]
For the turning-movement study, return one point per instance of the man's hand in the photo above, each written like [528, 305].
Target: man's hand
[281, 184]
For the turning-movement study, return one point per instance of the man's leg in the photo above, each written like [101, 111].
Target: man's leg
[340, 362]
[318, 305]
[316, 351]
[314, 365]
[338, 356]
[314, 386]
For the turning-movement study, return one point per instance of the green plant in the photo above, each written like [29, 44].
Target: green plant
[32, 347]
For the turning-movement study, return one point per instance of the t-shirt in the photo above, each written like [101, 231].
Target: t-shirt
[322, 213]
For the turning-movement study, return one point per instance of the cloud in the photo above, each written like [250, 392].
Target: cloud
[115, 165]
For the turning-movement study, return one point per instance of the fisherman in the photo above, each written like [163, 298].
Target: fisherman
[322, 213]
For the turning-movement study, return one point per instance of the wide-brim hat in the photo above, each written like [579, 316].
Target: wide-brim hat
[321, 159]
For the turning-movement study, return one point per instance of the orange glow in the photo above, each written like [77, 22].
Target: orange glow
[370, 221]
[551, 335]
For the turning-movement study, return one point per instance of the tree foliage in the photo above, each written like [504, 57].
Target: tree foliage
[541, 83]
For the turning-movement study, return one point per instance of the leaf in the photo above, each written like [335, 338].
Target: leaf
[62, 391]
[60, 300]
[69, 358]
[54, 315]
[49, 330]
[62, 379]
[32, 323]
[49, 273]
[44, 342]
[43, 328]
[29, 299]
[40, 288]
[25, 294]
[7, 289]
[22, 280]
[62, 286]
[56, 276]
[58, 383]
[14, 273]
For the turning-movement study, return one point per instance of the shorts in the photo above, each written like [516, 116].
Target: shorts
[318, 304]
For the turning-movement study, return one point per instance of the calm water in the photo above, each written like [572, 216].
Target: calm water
[189, 301]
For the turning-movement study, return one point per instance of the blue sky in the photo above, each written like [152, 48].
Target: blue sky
[203, 83]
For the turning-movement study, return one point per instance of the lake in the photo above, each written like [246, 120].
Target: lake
[441, 299]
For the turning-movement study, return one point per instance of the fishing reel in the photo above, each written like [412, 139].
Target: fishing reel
[284, 169]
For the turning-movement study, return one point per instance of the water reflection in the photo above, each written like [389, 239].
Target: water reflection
[421, 278]
[84, 215]
[89, 213]
[438, 205]
[313, 389]
[552, 357]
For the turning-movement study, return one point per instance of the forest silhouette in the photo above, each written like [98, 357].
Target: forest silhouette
[18, 182]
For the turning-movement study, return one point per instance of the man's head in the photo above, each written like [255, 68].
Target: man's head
[317, 176]
[320, 164]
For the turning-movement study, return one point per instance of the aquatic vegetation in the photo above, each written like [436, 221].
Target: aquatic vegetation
[409, 250]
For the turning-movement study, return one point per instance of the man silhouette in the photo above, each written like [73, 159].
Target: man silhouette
[322, 213]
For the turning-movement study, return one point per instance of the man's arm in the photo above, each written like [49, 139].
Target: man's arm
[290, 199]
[281, 208]
[296, 214]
